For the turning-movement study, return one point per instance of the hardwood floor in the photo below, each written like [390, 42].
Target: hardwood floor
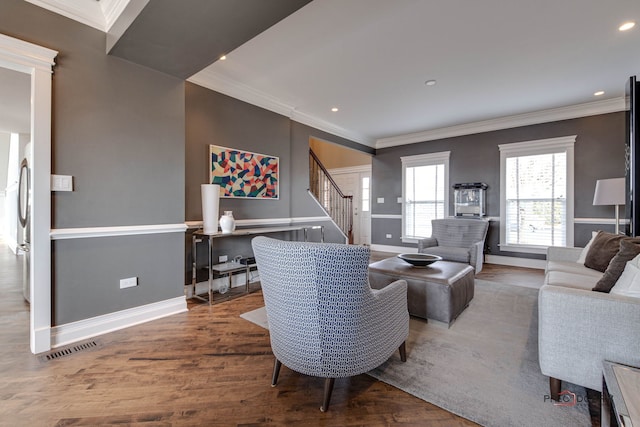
[204, 367]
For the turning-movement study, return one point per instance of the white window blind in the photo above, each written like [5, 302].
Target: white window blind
[425, 193]
[537, 195]
[537, 200]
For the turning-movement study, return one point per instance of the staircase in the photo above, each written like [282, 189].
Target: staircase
[326, 192]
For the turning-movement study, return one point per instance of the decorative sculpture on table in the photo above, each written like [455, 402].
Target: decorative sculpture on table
[227, 222]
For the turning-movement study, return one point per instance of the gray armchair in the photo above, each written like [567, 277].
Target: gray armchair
[324, 318]
[458, 240]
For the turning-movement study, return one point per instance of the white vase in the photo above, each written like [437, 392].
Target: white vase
[210, 200]
[227, 222]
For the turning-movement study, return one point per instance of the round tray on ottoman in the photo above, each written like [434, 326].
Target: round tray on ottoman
[419, 260]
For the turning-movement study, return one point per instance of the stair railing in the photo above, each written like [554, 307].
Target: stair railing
[327, 193]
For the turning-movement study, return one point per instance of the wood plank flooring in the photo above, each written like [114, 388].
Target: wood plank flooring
[204, 367]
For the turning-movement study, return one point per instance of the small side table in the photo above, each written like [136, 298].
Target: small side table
[620, 396]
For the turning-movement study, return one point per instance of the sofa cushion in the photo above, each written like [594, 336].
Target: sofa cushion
[629, 282]
[603, 248]
[629, 249]
[570, 280]
[573, 267]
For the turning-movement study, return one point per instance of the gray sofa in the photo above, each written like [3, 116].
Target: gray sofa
[578, 328]
[458, 240]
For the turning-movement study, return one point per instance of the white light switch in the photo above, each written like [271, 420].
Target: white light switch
[399, 199]
[61, 183]
[380, 199]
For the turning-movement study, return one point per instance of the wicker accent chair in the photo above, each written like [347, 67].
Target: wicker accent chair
[324, 318]
[458, 240]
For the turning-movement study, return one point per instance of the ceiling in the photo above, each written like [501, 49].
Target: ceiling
[496, 64]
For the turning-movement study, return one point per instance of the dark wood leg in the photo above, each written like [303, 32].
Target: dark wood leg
[276, 372]
[403, 351]
[554, 388]
[328, 388]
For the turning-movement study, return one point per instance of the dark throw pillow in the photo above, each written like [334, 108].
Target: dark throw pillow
[629, 249]
[604, 247]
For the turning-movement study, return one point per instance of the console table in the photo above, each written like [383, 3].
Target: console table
[232, 267]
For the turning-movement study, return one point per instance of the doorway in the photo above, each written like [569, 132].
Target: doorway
[356, 182]
[37, 62]
[351, 171]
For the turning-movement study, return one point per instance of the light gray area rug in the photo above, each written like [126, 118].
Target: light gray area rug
[485, 367]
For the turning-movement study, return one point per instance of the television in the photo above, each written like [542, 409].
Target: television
[632, 157]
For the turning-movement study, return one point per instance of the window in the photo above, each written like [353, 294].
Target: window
[425, 192]
[536, 195]
[366, 194]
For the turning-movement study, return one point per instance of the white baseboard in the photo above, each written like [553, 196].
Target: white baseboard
[515, 262]
[395, 249]
[84, 329]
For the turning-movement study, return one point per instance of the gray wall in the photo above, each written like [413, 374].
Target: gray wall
[599, 153]
[118, 129]
[214, 118]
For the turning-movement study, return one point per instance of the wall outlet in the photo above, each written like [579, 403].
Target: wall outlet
[223, 258]
[129, 282]
[399, 199]
[388, 236]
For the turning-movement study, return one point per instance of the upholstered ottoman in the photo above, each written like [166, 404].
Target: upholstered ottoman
[440, 291]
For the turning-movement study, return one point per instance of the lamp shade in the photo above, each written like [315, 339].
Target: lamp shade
[210, 205]
[609, 192]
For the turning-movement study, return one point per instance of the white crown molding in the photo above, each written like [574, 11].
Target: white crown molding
[211, 80]
[128, 230]
[99, 325]
[86, 12]
[544, 116]
[22, 56]
[111, 10]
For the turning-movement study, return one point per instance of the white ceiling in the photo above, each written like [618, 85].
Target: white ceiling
[497, 64]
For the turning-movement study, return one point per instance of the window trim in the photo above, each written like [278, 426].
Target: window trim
[561, 144]
[439, 158]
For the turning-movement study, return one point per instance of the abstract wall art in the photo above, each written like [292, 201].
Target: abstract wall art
[244, 174]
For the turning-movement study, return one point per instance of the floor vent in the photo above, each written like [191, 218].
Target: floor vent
[69, 350]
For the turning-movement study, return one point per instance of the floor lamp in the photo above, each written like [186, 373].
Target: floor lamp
[610, 192]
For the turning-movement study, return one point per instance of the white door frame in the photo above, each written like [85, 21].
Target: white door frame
[38, 62]
[359, 170]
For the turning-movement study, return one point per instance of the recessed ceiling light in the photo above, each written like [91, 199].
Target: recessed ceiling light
[430, 82]
[223, 57]
[334, 109]
[627, 26]
[598, 93]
